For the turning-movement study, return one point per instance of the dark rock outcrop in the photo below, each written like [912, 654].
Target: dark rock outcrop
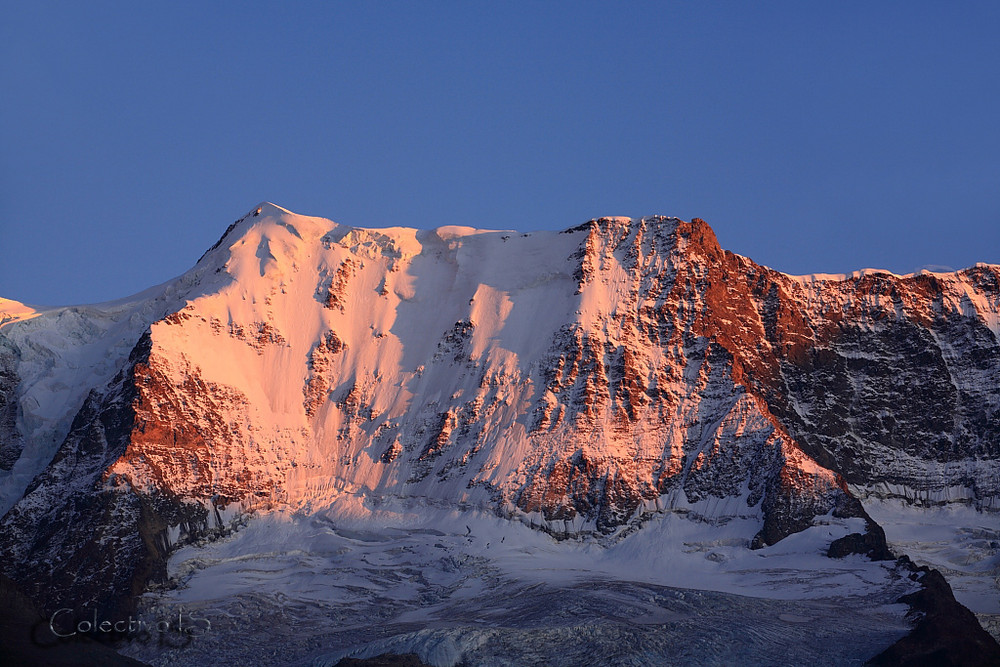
[946, 634]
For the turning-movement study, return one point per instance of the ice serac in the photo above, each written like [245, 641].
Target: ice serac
[581, 382]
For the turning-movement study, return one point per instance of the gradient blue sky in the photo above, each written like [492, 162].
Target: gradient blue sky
[814, 137]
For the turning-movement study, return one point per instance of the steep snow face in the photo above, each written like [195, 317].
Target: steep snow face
[554, 377]
[52, 358]
[582, 382]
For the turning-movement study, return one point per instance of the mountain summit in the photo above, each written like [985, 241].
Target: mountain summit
[593, 384]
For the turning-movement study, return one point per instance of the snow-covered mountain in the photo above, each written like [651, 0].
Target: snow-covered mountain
[622, 398]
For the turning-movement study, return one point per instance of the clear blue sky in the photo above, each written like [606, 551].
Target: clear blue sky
[814, 137]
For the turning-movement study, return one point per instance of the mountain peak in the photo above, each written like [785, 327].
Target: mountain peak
[266, 208]
[626, 384]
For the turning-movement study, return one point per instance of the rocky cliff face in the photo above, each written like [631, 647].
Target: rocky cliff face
[899, 385]
[888, 380]
[84, 537]
[11, 442]
[580, 382]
